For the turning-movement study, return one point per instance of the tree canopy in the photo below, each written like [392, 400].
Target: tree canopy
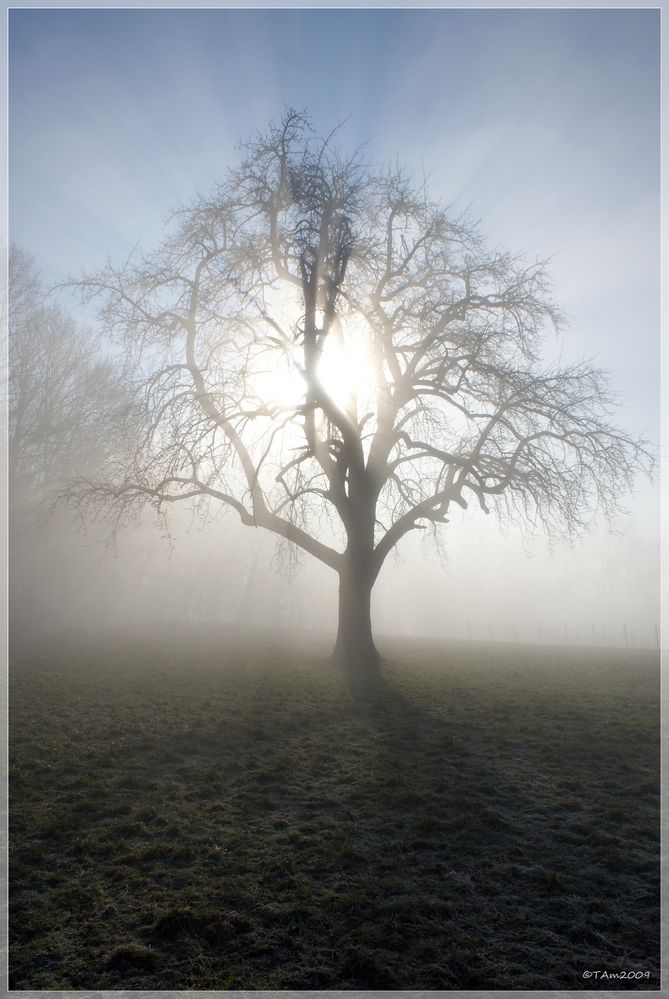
[334, 355]
[65, 413]
[64, 397]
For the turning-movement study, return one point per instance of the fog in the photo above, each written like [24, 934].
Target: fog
[477, 577]
[485, 585]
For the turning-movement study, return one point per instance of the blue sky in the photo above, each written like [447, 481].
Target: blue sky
[545, 123]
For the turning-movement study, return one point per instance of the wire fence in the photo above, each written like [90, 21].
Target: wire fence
[543, 632]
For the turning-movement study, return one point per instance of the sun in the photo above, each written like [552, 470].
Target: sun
[346, 369]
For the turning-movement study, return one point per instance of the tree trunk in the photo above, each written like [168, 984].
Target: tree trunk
[354, 650]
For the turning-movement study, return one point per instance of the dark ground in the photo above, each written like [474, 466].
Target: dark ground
[184, 818]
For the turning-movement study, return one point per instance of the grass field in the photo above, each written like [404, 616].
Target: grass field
[188, 815]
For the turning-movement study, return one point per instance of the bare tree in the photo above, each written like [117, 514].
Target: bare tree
[64, 407]
[62, 392]
[328, 352]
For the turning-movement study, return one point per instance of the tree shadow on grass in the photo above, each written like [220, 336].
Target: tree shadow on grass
[495, 839]
[267, 829]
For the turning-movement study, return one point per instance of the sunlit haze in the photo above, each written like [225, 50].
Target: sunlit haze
[543, 125]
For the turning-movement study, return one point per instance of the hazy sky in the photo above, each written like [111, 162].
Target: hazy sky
[544, 122]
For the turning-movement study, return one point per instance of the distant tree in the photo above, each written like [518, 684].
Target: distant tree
[62, 392]
[331, 354]
[63, 414]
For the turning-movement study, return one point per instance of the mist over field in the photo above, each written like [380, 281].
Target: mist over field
[482, 586]
[334, 558]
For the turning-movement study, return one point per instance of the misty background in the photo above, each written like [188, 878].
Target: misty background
[544, 124]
